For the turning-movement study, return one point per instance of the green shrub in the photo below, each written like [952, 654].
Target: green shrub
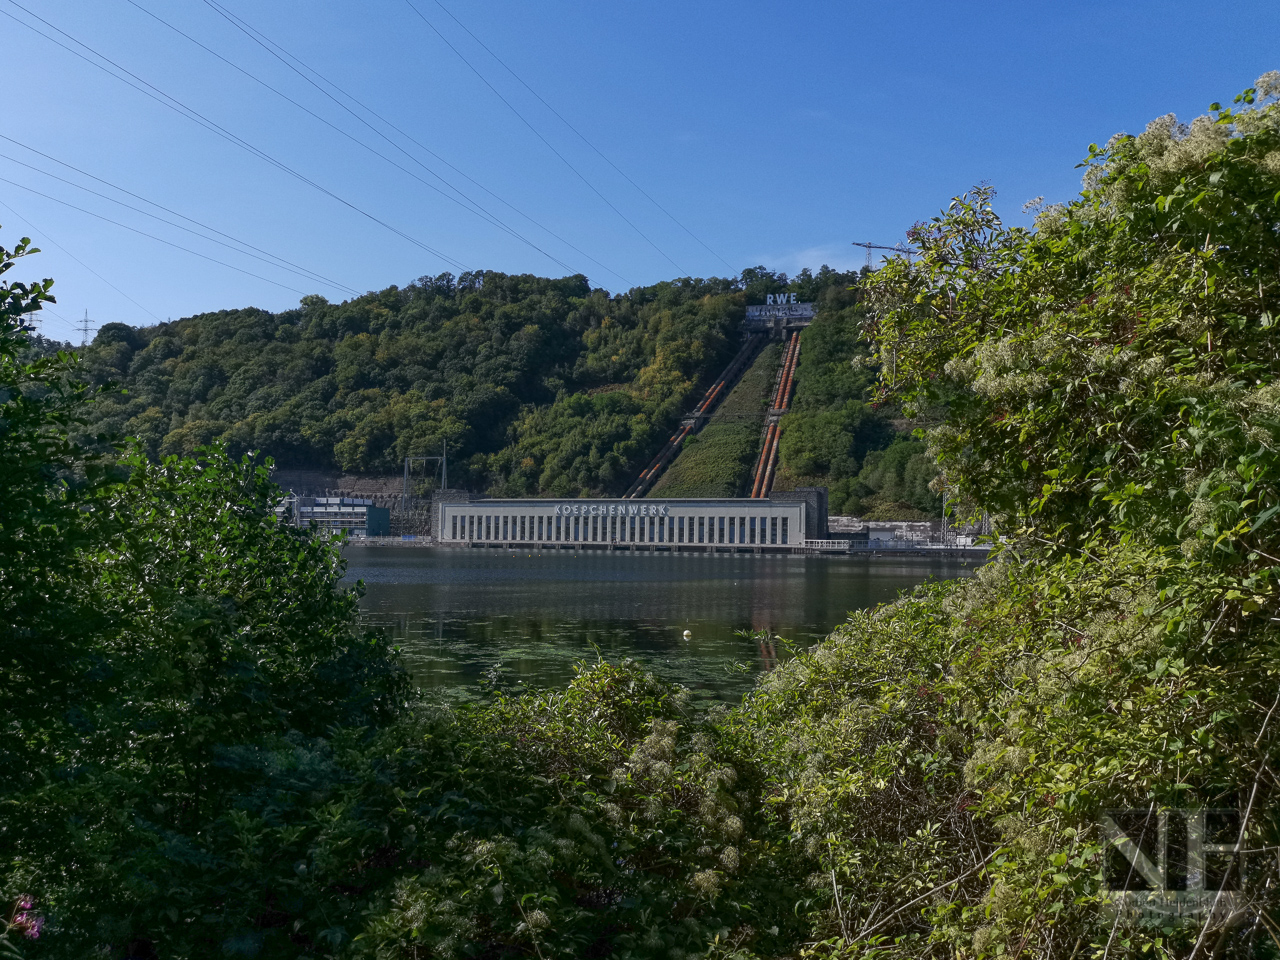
[201, 758]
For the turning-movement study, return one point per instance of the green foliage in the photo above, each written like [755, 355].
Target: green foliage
[945, 760]
[603, 820]
[718, 460]
[894, 484]
[582, 442]
[198, 751]
[516, 374]
[217, 709]
[484, 362]
[184, 701]
[47, 492]
[1140, 314]
[201, 758]
[537, 386]
[831, 427]
[1108, 379]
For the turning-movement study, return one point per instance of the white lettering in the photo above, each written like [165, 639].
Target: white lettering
[633, 510]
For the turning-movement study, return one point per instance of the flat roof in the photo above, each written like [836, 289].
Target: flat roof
[691, 501]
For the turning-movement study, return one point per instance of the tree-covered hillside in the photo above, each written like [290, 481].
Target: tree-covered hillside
[835, 437]
[537, 385]
[1073, 754]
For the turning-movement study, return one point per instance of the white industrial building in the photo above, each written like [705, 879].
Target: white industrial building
[354, 516]
[783, 520]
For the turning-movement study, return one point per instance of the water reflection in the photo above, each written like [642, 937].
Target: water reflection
[531, 615]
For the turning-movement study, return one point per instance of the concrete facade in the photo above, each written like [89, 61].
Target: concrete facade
[670, 523]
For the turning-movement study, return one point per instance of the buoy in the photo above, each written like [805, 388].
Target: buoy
[688, 634]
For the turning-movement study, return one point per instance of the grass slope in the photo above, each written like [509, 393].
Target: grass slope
[718, 461]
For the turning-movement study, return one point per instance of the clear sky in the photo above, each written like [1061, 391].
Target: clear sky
[772, 133]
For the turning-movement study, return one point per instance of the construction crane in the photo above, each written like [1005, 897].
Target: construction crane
[879, 246]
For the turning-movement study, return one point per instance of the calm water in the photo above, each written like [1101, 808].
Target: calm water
[460, 614]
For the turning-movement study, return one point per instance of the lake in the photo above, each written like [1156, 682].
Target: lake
[527, 617]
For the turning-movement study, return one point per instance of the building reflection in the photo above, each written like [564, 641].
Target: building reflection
[767, 644]
[457, 615]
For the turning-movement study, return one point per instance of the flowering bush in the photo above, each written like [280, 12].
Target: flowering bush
[22, 924]
[200, 757]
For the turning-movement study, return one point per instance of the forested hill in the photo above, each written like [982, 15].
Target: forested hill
[538, 385]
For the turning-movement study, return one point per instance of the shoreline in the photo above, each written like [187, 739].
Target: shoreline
[887, 550]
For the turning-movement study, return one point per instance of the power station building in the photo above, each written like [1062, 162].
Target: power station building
[781, 520]
[356, 516]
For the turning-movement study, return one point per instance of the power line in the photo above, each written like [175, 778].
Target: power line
[36, 229]
[294, 63]
[39, 315]
[155, 93]
[546, 142]
[301, 271]
[159, 206]
[581, 136]
[474, 207]
[152, 236]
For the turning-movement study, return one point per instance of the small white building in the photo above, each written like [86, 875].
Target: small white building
[356, 516]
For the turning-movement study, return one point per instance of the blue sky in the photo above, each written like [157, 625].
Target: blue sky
[774, 133]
